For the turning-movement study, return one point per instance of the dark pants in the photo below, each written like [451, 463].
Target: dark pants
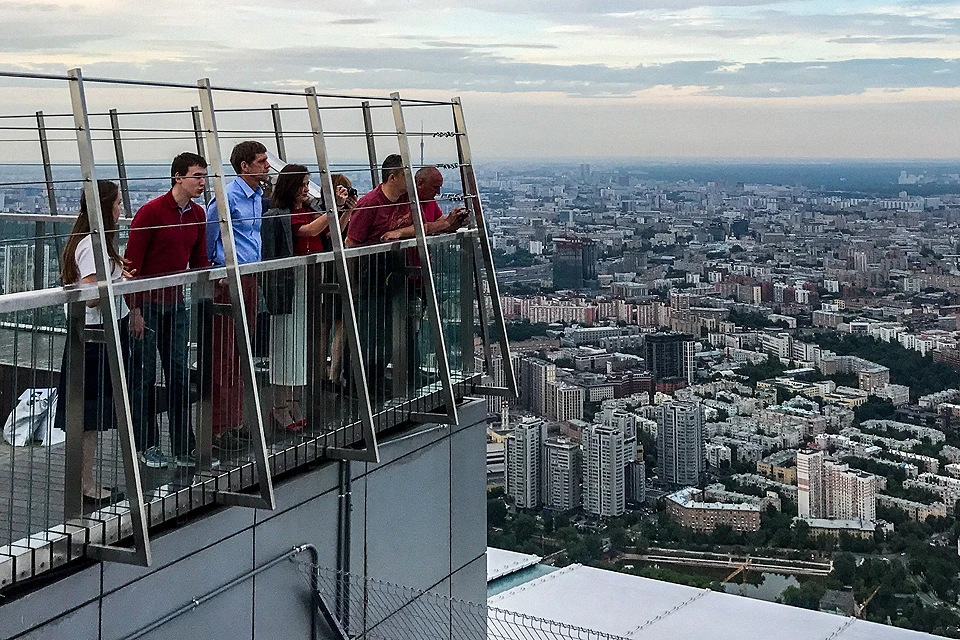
[376, 285]
[98, 410]
[167, 332]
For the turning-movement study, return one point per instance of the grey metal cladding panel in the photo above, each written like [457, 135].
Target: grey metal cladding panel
[468, 495]
[42, 605]
[300, 488]
[416, 437]
[81, 624]
[312, 523]
[150, 598]
[408, 519]
[470, 582]
[282, 602]
[472, 411]
[226, 617]
[176, 544]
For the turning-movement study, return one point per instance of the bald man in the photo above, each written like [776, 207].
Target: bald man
[429, 181]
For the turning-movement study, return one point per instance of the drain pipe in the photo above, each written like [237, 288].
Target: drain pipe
[344, 508]
[196, 602]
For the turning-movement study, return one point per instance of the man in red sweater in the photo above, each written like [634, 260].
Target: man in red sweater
[167, 235]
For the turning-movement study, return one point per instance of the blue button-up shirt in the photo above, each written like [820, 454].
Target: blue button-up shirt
[246, 212]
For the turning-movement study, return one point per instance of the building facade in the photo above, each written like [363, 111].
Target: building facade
[828, 490]
[670, 355]
[604, 459]
[562, 474]
[522, 459]
[680, 443]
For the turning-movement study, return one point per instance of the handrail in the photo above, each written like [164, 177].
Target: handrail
[23, 75]
[37, 299]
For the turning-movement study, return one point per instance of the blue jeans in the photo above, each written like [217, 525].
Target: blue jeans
[167, 332]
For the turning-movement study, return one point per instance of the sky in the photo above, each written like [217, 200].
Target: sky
[556, 78]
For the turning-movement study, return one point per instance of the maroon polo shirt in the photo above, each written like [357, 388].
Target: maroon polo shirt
[374, 215]
[163, 239]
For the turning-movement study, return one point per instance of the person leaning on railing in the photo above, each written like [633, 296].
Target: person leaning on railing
[377, 213]
[291, 227]
[167, 235]
[244, 194]
[79, 267]
[429, 182]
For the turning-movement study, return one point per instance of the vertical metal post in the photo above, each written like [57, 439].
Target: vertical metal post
[121, 165]
[251, 395]
[466, 303]
[198, 134]
[426, 268]
[39, 263]
[278, 131]
[350, 324]
[472, 199]
[47, 167]
[111, 329]
[40, 229]
[371, 144]
[73, 387]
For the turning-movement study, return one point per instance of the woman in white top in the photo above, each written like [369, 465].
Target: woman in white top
[77, 266]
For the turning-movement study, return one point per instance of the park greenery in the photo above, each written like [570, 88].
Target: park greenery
[520, 331]
[906, 366]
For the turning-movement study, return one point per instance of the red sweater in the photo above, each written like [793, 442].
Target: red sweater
[163, 240]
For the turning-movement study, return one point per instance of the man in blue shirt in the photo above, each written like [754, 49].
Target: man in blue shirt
[244, 197]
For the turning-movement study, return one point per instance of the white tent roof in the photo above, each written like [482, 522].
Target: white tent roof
[633, 607]
[501, 562]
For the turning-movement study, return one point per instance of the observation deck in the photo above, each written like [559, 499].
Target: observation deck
[391, 335]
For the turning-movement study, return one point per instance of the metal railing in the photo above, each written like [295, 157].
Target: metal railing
[367, 609]
[115, 427]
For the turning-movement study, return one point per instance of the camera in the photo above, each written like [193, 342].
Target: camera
[352, 193]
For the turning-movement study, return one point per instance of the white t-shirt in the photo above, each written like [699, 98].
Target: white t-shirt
[86, 266]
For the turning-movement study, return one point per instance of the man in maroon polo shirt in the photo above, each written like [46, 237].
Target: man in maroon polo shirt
[376, 213]
[429, 182]
[167, 235]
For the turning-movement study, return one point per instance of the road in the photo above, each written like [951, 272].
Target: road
[731, 561]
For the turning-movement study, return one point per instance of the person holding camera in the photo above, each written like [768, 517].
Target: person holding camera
[292, 227]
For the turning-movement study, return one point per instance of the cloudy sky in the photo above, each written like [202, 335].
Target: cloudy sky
[559, 78]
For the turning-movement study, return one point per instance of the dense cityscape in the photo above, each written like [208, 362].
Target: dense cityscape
[744, 382]
[747, 386]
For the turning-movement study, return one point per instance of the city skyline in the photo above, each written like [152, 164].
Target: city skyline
[674, 79]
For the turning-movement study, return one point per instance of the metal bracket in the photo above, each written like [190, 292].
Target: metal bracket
[498, 392]
[429, 418]
[350, 324]
[140, 555]
[251, 404]
[469, 183]
[429, 288]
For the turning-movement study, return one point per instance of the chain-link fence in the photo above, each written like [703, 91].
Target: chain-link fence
[368, 609]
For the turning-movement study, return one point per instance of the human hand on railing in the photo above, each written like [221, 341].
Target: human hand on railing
[390, 236]
[137, 325]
